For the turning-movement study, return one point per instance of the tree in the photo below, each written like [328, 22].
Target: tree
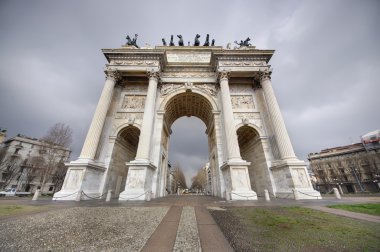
[199, 181]
[32, 168]
[9, 167]
[54, 152]
[179, 178]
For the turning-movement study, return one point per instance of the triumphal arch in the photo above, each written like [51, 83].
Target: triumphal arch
[147, 89]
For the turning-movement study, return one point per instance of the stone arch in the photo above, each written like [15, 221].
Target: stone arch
[124, 150]
[255, 127]
[252, 150]
[169, 97]
[116, 132]
[191, 103]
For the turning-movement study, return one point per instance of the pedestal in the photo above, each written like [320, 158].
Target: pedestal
[238, 185]
[139, 181]
[81, 176]
[292, 175]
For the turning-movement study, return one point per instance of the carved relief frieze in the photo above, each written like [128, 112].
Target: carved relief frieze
[240, 88]
[130, 116]
[135, 62]
[133, 102]
[242, 63]
[187, 74]
[205, 88]
[300, 178]
[135, 88]
[248, 115]
[169, 88]
[242, 102]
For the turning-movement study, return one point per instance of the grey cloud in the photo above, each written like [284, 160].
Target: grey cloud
[325, 66]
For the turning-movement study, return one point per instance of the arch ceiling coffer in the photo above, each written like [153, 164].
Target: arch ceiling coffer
[131, 135]
[188, 104]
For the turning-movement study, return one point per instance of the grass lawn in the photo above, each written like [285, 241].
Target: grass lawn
[295, 229]
[6, 210]
[371, 208]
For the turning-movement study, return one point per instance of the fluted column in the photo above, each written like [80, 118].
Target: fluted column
[147, 124]
[233, 150]
[93, 135]
[283, 141]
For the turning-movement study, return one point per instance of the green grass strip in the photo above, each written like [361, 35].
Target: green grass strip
[6, 210]
[370, 208]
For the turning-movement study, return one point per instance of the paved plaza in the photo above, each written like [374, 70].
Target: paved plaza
[175, 223]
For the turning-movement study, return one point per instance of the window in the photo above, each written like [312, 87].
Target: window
[51, 188]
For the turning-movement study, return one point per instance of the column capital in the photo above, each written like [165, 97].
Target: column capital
[265, 75]
[112, 74]
[153, 74]
[223, 75]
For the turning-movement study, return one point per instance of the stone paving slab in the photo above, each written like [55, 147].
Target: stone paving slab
[82, 229]
[211, 237]
[163, 238]
[187, 235]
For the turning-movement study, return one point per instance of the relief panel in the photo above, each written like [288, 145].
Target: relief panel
[242, 102]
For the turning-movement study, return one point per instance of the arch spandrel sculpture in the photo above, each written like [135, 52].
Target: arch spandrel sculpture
[146, 90]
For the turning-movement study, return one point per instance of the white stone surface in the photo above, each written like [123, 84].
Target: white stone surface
[188, 85]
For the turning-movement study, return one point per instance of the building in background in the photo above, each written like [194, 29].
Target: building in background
[3, 135]
[352, 168]
[29, 164]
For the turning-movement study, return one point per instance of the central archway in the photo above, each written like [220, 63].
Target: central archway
[189, 104]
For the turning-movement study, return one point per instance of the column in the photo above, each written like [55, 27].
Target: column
[147, 124]
[283, 141]
[233, 150]
[93, 135]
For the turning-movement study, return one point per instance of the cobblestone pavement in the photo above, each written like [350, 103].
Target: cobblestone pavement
[179, 223]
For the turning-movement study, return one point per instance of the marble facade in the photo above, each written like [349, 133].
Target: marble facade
[146, 90]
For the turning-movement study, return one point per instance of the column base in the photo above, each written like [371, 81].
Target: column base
[81, 176]
[238, 184]
[243, 195]
[292, 175]
[139, 181]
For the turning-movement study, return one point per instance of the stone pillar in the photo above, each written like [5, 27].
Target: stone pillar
[147, 124]
[233, 150]
[283, 141]
[92, 140]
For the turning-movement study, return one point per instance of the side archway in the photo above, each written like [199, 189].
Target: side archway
[252, 150]
[124, 150]
[186, 103]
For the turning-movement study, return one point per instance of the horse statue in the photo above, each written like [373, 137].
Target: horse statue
[171, 41]
[207, 42]
[196, 40]
[180, 41]
[163, 42]
[132, 42]
[244, 43]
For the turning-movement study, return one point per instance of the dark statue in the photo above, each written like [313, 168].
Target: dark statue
[213, 42]
[207, 42]
[180, 41]
[196, 40]
[244, 43]
[163, 42]
[171, 41]
[132, 42]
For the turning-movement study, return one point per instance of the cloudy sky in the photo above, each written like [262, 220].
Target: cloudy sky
[325, 66]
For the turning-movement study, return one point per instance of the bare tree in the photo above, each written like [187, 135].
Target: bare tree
[32, 168]
[9, 167]
[54, 151]
[59, 176]
[179, 178]
[199, 181]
